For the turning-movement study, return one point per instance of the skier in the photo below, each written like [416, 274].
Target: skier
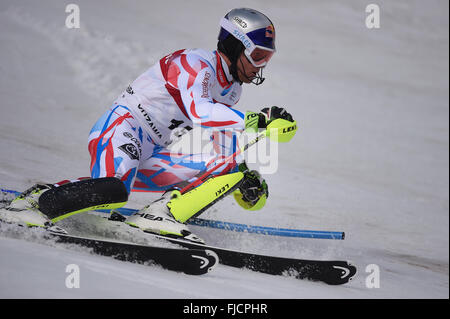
[129, 143]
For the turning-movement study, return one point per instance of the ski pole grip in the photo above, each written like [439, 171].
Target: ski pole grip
[281, 130]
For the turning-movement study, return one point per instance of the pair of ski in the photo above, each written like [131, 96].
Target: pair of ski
[200, 259]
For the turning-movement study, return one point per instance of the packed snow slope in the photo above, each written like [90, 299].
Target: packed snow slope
[371, 156]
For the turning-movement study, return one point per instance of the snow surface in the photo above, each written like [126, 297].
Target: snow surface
[371, 156]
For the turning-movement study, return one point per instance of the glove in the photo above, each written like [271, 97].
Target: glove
[253, 186]
[254, 121]
[276, 112]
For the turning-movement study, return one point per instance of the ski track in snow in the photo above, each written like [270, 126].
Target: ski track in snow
[370, 157]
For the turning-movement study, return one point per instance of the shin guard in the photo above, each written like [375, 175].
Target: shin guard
[196, 201]
[88, 194]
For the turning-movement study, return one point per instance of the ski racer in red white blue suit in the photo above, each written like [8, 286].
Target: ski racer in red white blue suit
[130, 143]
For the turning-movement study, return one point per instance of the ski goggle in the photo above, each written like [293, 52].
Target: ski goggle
[257, 55]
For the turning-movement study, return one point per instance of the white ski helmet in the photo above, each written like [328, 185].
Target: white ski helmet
[248, 30]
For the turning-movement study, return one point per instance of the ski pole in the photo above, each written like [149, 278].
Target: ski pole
[264, 230]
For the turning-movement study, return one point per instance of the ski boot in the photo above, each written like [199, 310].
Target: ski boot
[24, 210]
[156, 218]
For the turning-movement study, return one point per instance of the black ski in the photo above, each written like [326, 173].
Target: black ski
[333, 272]
[189, 261]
